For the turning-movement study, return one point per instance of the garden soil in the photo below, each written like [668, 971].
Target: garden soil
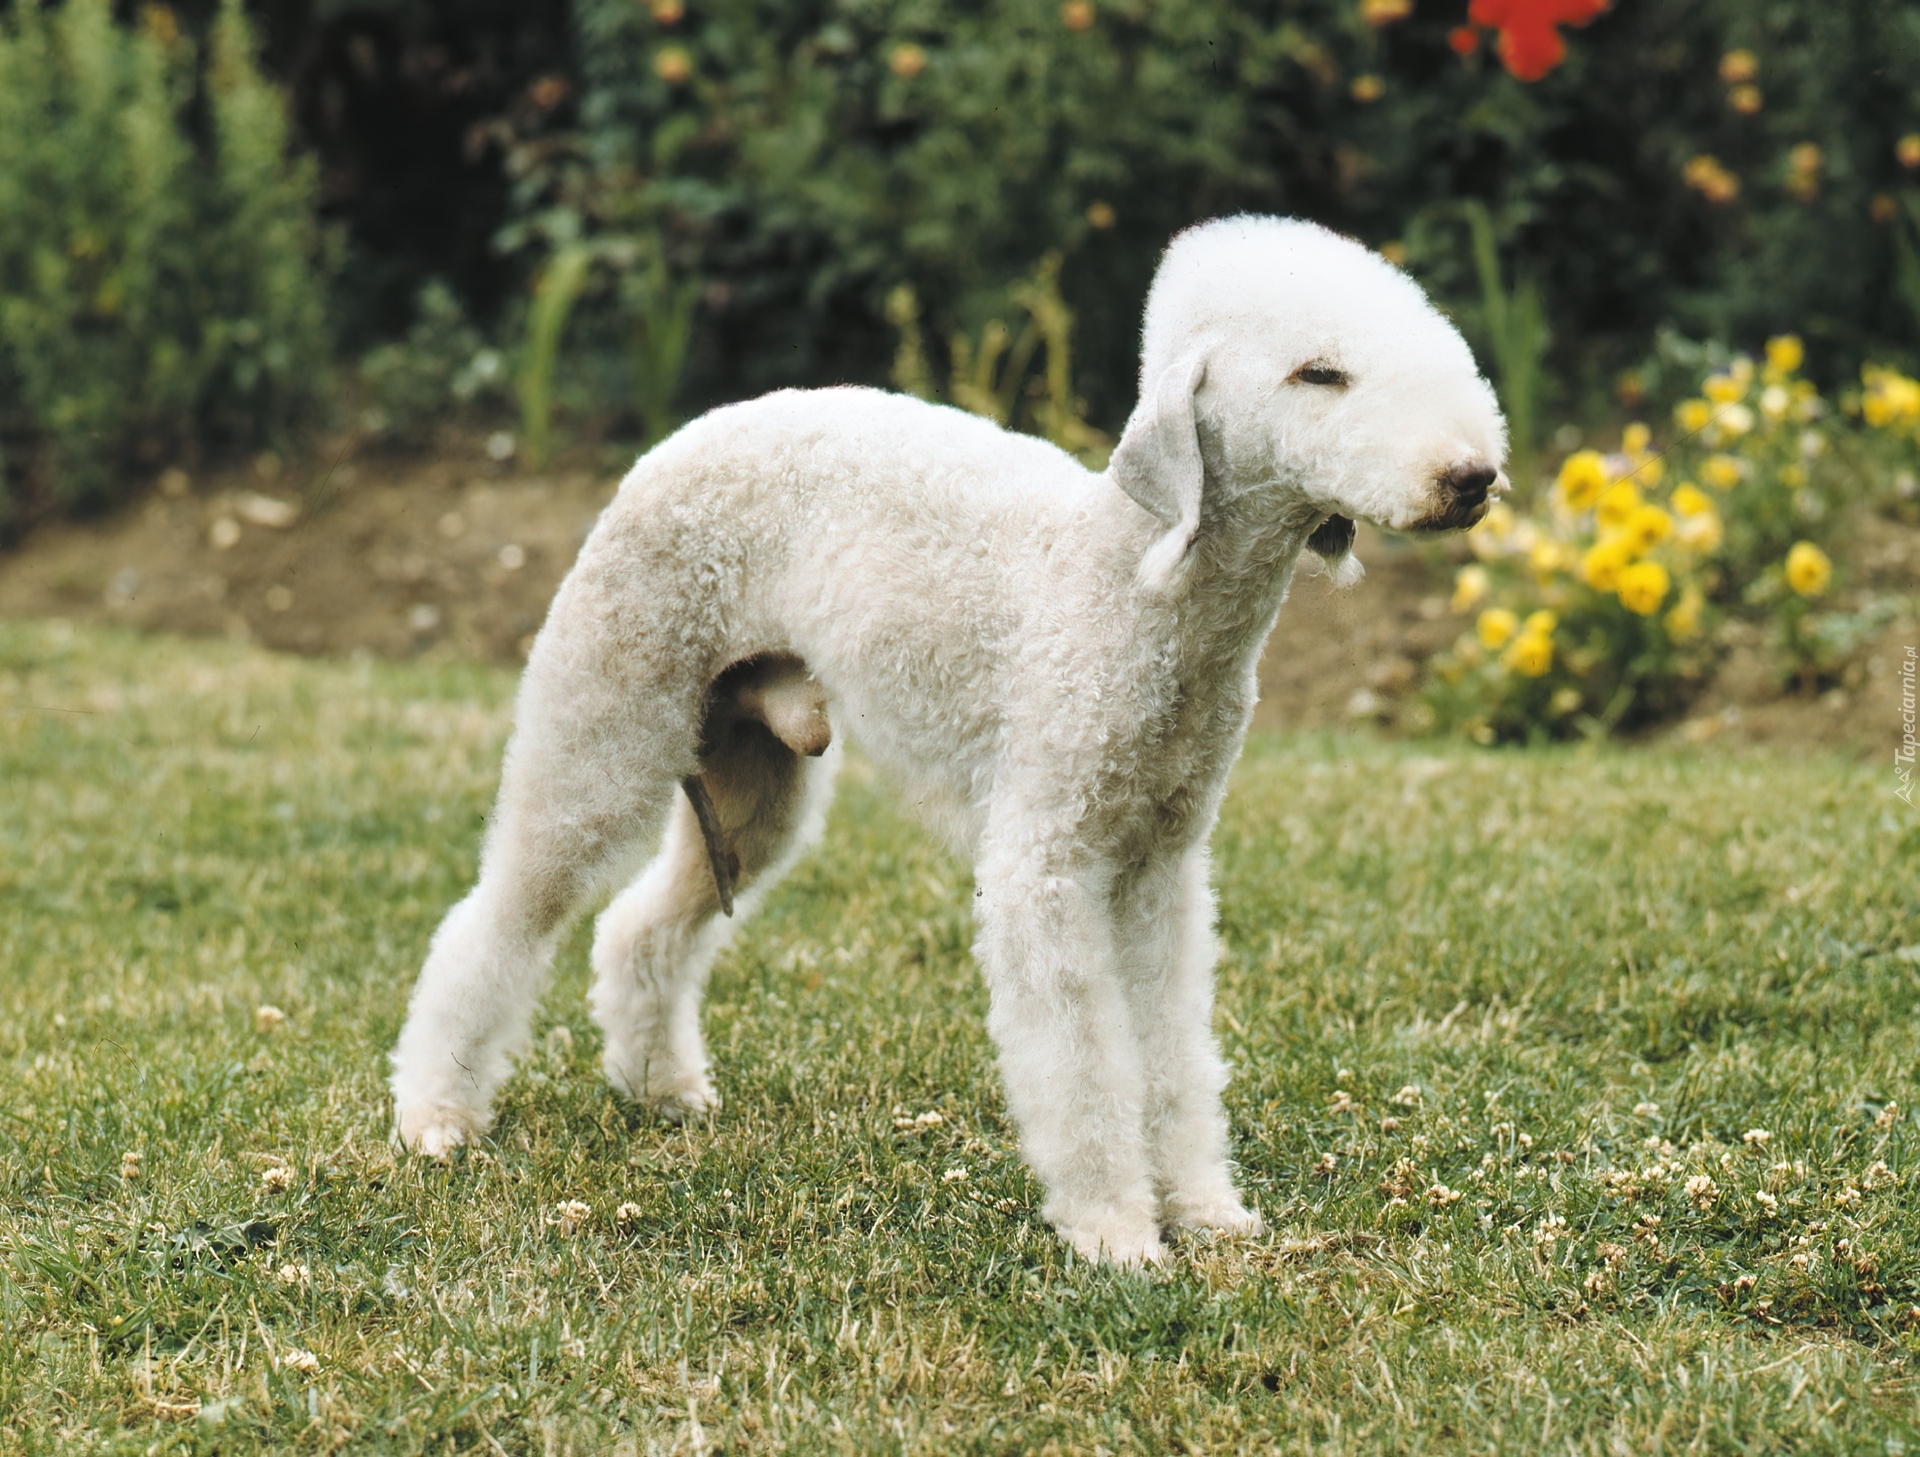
[454, 554]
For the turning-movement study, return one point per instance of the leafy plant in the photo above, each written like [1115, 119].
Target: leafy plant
[554, 294]
[443, 364]
[992, 375]
[662, 312]
[1514, 322]
[158, 285]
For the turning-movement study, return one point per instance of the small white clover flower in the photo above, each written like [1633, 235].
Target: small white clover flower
[1440, 1196]
[1702, 1191]
[627, 1213]
[1407, 1097]
[291, 1274]
[570, 1214]
[953, 1176]
[1756, 1138]
[268, 1018]
[130, 1164]
[299, 1360]
[276, 1178]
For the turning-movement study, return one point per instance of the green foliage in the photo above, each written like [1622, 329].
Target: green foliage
[554, 295]
[1515, 332]
[444, 364]
[662, 313]
[156, 286]
[1490, 1022]
[805, 158]
[992, 374]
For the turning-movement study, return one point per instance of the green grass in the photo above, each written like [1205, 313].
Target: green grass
[1541, 944]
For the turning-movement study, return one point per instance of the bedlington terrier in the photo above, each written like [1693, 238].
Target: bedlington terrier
[1058, 663]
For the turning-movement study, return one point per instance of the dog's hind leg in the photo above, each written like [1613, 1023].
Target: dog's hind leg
[1167, 953]
[654, 945]
[595, 758]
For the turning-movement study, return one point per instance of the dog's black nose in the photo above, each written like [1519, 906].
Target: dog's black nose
[1469, 483]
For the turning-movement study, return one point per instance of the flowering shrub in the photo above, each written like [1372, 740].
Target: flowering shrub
[1594, 609]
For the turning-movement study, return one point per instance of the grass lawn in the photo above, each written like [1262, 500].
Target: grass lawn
[1576, 1086]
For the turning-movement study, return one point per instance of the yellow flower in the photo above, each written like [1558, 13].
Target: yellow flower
[1545, 557]
[1498, 522]
[1646, 527]
[1603, 564]
[1784, 354]
[1684, 619]
[1617, 504]
[1643, 587]
[1734, 420]
[1891, 398]
[1690, 500]
[1542, 622]
[1648, 472]
[1700, 533]
[1635, 438]
[907, 60]
[1469, 587]
[1808, 570]
[1692, 415]
[1495, 626]
[672, 64]
[1723, 472]
[1385, 12]
[1583, 476]
[1531, 654]
[1723, 389]
[1793, 476]
[1775, 401]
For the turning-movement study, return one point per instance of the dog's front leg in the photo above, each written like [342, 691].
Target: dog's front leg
[1167, 950]
[1067, 1052]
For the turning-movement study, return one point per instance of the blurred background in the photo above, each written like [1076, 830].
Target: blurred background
[329, 322]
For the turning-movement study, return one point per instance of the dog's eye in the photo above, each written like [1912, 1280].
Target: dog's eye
[1319, 374]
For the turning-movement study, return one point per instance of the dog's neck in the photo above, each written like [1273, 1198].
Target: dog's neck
[1254, 522]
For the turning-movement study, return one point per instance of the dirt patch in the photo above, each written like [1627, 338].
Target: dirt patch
[458, 555]
[396, 557]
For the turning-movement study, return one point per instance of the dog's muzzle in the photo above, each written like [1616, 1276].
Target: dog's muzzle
[1460, 496]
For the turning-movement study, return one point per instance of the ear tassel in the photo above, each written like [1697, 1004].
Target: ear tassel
[1164, 565]
[1346, 572]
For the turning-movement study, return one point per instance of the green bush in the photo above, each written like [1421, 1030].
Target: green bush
[443, 365]
[158, 250]
[804, 157]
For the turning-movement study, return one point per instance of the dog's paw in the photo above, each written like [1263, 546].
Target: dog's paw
[1130, 1244]
[675, 1098]
[686, 1103]
[1226, 1216]
[437, 1129]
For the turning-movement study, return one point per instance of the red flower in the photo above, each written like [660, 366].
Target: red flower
[1530, 44]
[1464, 39]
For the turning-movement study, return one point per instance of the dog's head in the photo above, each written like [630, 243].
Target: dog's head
[1284, 359]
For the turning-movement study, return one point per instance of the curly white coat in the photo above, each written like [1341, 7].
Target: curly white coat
[1058, 665]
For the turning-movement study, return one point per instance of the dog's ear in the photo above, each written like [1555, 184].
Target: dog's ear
[1157, 462]
[1332, 542]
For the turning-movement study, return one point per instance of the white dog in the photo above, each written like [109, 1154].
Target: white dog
[1059, 664]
